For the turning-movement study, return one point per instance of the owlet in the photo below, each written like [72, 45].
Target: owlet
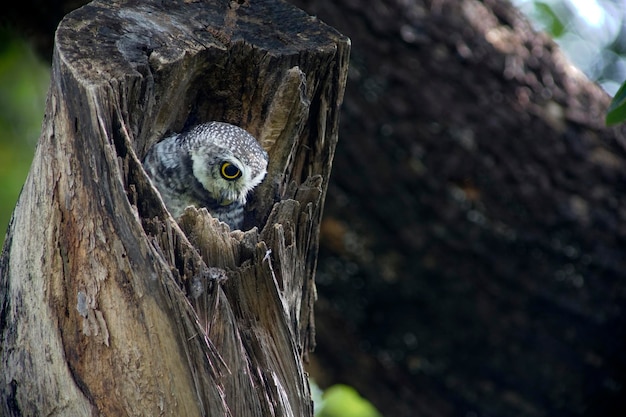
[213, 165]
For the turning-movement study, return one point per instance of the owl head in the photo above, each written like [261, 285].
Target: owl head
[226, 160]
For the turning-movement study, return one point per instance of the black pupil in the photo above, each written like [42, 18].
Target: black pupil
[231, 171]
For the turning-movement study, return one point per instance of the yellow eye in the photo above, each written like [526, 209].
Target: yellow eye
[229, 171]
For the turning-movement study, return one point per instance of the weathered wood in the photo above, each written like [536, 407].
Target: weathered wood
[109, 307]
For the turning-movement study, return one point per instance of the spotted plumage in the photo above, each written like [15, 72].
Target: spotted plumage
[213, 165]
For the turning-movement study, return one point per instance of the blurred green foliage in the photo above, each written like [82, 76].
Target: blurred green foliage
[617, 110]
[592, 33]
[342, 401]
[24, 81]
[549, 19]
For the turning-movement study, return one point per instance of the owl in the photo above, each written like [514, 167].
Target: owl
[213, 165]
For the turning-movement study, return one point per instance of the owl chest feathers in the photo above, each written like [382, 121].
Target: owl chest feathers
[170, 167]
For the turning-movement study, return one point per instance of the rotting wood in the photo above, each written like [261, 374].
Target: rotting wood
[109, 307]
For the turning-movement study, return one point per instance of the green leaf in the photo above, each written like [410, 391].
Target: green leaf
[344, 401]
[550, 19]
[617, 110]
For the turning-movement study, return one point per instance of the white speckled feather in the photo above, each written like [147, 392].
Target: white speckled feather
[213, 165]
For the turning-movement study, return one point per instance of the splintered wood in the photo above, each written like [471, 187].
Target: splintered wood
[114, 308]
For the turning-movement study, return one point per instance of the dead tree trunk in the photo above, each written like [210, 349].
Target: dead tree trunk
[109, 307]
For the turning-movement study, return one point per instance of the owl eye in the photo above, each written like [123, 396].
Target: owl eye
[229, 171]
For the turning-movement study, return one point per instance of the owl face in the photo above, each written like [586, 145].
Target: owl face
[226, 177]
[227, 161]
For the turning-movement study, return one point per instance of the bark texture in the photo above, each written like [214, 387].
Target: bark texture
[111, 308]
[473, 248]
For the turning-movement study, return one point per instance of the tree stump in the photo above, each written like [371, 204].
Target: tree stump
[109, 306]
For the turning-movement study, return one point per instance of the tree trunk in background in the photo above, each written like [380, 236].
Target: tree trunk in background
[107, 308]
[473, 250]
[472, 256]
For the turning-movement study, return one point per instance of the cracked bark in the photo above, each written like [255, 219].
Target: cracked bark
[110, 307]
